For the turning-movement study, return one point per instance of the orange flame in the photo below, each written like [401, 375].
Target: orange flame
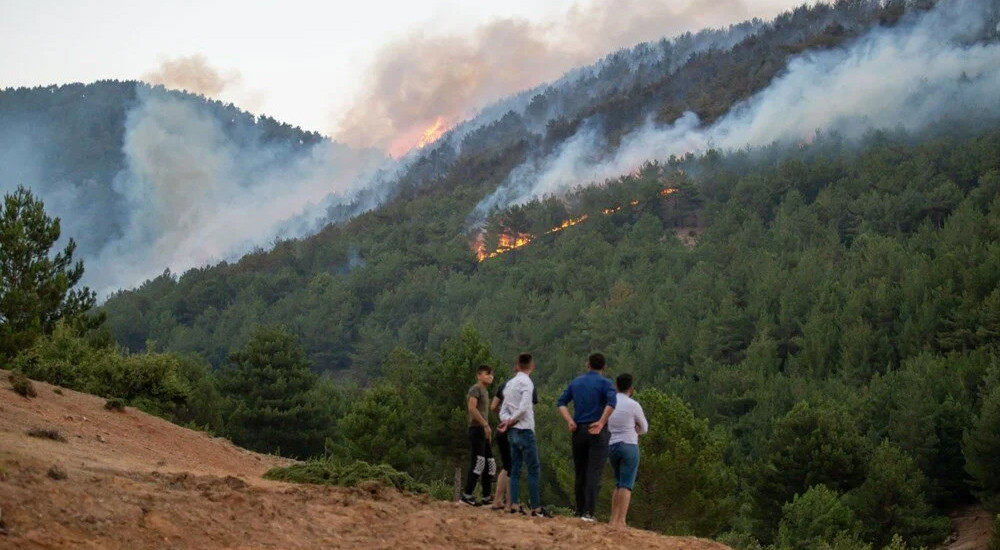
[507, 242]
[568, 223]
[416, 138]
[432, 133]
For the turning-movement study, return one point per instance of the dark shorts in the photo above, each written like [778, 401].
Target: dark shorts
[504, 443]
[624, 459]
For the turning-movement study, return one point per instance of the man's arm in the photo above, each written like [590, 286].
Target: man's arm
[495, 405]
[596, 427]
[641, 424]
[564, 399]
[566, 416]
[473, 405]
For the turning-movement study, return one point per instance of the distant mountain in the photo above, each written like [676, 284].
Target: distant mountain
[432, 215]
[129, 166]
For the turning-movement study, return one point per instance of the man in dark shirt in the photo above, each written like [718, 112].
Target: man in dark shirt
[594, 400]
[481, 466]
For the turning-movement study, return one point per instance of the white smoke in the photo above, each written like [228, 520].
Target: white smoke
[908, 76]
[194, 198]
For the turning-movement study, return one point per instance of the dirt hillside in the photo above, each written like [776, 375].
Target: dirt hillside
[127, 480]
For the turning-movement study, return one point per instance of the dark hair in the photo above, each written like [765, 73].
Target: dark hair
[596, 361]
[484, 368]
[524, 359]
[624, 382]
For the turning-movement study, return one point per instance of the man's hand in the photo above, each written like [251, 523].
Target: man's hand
[489, 433]
[596, 428]
[502, 428]
[571, 425]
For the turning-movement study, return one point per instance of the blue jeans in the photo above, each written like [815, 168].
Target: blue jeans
[624, 459]
[524, 451]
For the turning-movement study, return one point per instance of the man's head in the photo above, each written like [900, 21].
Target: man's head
[624, 383]
[596, 362]
[484, 375]
[525, 363]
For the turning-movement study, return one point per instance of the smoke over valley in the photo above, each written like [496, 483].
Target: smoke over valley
[191, 190]
[938, 65]
[436, 80]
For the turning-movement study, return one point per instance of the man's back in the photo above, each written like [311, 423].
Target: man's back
[627, 422]
[590, 393]
[517, 403]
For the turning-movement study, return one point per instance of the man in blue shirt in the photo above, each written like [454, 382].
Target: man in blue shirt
[594, 400]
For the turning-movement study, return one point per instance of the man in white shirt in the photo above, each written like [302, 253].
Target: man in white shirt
[517, 419]
[626, 424]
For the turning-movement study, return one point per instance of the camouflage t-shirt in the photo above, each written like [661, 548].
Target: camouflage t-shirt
[482, 403]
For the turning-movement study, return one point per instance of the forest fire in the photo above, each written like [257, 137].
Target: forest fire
[417, 138]
[432, 133]
[568, 223]
[512, 241]
[505, 243]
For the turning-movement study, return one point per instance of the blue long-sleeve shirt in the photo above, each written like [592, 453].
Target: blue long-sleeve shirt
[590, 393]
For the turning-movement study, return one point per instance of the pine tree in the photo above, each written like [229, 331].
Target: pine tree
[684, 484]
[892, 501]
[816, 517]
[981, 445]
[36, 290]
[811, 445]
[272, 400]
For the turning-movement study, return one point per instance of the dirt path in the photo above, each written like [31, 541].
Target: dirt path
[133, 481]
[973, 529]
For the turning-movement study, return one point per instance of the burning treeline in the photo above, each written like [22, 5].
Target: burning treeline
[509, 237]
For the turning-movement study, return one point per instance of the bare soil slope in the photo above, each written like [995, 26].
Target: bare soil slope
[127, 480]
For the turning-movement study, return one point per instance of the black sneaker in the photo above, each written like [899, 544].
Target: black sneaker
[486, 501]
[517, 510]
[468, 499]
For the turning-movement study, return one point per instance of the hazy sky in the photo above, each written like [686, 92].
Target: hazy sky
[304, 62]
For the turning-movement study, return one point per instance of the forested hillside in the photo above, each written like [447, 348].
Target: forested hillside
[812, 323]
[136, 171]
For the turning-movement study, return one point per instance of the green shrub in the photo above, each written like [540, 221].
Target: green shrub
[115, 404]
[815, 518]
[995, 542]
[329, 471]
[440, 490]
[897, 543]
[21, 385]
[150, 381]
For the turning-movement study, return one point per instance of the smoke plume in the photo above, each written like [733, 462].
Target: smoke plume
[193, 198]
[192, 74]
[927, 68]
[423, 78]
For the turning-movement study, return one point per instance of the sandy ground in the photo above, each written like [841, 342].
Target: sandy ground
[973, 529]
[133, 481]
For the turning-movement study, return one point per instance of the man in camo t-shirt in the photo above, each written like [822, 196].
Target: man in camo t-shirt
[482, 467]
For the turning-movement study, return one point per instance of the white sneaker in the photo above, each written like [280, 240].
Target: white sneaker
[588, 517]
